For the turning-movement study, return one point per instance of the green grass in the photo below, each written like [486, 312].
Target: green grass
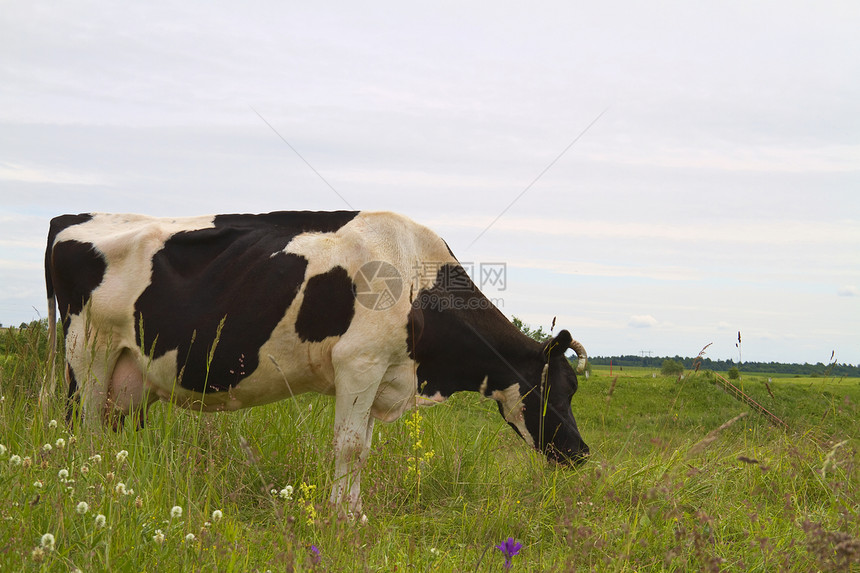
[755, 498]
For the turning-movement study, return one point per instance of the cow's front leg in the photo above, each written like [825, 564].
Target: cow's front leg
[353, 431]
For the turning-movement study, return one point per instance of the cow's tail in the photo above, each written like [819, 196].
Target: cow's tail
[49, 383]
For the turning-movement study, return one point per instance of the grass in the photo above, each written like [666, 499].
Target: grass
[652, 498]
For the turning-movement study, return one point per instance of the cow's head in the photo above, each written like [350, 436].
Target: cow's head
[546, 405]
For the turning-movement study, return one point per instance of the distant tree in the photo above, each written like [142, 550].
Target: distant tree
[671, 367]
[537, 334]
[734, 373]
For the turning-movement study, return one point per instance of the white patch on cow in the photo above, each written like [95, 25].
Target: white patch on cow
[512, 406]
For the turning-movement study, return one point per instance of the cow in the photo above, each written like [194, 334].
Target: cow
[224, 312]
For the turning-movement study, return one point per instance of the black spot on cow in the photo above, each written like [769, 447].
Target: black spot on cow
[77, 269]
[328, 306]
[233, 277]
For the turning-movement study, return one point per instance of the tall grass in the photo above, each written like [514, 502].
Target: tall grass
[753, 498]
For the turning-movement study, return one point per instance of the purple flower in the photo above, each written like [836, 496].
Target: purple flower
[315, 555]
[510, 548]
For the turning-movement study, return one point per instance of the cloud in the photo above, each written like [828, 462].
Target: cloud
[41, 174]
[642, 321]
[848, 290]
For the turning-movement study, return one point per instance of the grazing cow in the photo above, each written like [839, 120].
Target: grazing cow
[230, 311]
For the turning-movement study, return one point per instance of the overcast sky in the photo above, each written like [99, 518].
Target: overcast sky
[714, 186]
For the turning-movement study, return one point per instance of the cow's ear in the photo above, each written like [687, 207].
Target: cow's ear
[557, 346]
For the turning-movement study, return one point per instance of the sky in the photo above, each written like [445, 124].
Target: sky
[657, 176]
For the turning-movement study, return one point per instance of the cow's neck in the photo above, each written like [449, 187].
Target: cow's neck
[467, 344]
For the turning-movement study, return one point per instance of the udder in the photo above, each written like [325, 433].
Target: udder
[127, 391]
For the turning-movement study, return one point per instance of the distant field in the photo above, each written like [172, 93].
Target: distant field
[665, 488]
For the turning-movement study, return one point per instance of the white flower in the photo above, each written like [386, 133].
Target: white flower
[2, 450]
[37, 483]
[190, 538]
[82, 507]
[217, 515]
[121, 455]
[63, 474]
[286, 493]
[60, 443]
[100, 520]
[14, 460]
[52, 424]
[95, 458]
[47, 542]
[120, 489]
[47, 448]
[85, 469]
[176, 511]
[38, 554]
[158, 537]
[434, 552]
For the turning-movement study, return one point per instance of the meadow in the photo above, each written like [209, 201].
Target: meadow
[682, 477]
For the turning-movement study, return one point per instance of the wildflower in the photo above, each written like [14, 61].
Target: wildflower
[38, 554]
[82, 507]
[138, 502]
[509, 548]
[63, 474]
[52, 424]
[47, 542]
[95, 458]
[121, 456]
[176, 511]
[307, 499]
[27, 462]
[217, 515]
[2, 450]
[47, 448]
[60, 443]
[109, 476]
[101, 520]
[190, 538]
[14, 460]
[315, 555]
[120, 489]
[85, 469]
[286, 493]
[37, 483]
[72, 440]
[435, 552]
[158, 537]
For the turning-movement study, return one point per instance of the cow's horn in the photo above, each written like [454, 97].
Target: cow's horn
[580, 352]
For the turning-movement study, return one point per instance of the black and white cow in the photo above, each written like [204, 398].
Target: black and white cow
[230, 311]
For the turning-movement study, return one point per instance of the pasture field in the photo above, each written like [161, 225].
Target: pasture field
[670, 486]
